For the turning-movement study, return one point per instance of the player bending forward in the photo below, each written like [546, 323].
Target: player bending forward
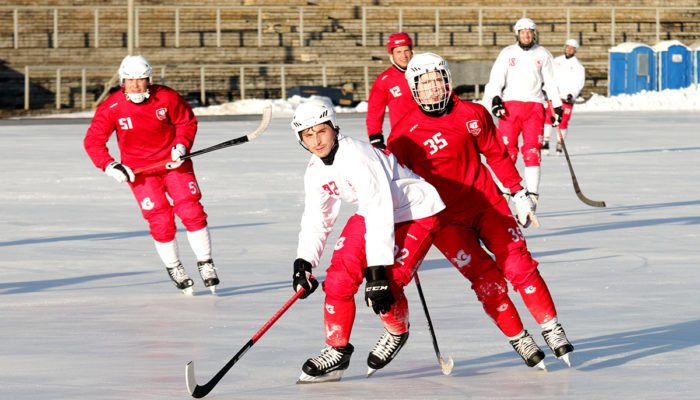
[443, 142]
[384, 242]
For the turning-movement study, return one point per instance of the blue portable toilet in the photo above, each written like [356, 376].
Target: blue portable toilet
[695, 49]
[631, 68]
[674, 64]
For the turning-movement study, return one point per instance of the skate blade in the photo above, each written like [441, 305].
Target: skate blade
[188, 291]
[541, 365]
[333, 376]
[370, 371]
[212, 289]
[566, 359]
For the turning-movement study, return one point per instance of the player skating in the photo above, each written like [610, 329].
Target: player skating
[443, 142]
[154, 123]
[383, 242]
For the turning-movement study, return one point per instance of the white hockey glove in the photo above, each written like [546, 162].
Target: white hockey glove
[525, 209]
[176, 154]
[120, 172]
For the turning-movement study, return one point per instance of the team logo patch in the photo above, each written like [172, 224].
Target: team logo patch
[462, 259]
[473, 127]
[162, 114]
[147, 204]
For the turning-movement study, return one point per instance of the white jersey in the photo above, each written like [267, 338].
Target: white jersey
[570, 75]
[384, 191]
[521, 75]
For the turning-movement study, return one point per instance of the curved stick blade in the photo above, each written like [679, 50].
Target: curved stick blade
[447, 365]
[189, 377]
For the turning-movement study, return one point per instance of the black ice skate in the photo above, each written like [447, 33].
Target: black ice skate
[181, 279]
[529, 351]
[384, 351]
[557, 341]
[327, 366]
[208, 274]
[545, 147]
[560, 149]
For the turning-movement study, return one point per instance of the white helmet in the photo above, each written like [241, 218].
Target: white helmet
[134, 67]
[524, 23]
[573, 43]
[312, 113]
[424, 63]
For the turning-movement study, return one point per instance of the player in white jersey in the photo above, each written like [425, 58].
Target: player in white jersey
[570, 76]
[384, 242]
[514, 91]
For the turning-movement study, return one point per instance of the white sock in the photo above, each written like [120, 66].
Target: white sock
[518, 336]
[549, 324]
[168, 253]
[532, 179]
[200, 243]
[547, 132]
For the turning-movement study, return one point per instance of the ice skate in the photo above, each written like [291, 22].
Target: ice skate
[529, 351]
[384, 351]
[328, 366]
[560, 149]
[208, 273]
[545, 147]
[181, 279]
[557, 341]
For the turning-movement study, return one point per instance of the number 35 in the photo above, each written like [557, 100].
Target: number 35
[435, 143]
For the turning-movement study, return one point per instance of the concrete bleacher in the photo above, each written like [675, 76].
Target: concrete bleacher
[332, 36]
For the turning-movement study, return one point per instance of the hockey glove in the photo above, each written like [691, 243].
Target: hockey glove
[525, 208]
[377, 292]
[176, 154]
[120, 172]
[497, 108]
[377, 140]
[302, 277]
[556, 118]
[570, 98]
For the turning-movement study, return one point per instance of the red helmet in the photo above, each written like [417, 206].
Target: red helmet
[398, 40]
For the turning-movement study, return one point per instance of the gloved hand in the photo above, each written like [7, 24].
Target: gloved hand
[176, 154]
[377, 292]
[302, 277]
[570, 98]
[556, 118]
[120, 172]
[525, 208]
[497, 108]
[377, 140]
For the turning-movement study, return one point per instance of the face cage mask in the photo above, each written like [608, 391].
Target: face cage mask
[441, 104]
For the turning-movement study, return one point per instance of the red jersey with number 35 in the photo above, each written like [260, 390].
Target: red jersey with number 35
[446, 151]
[146, 132]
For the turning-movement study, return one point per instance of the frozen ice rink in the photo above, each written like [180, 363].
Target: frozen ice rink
[89, 313]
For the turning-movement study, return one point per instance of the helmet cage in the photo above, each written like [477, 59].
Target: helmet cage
[422, 64]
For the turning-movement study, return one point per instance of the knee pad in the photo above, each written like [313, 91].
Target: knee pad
[161, 223]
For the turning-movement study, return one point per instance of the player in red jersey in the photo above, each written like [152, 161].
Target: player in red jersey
[390, 89]
[154, 123]
[443, 141]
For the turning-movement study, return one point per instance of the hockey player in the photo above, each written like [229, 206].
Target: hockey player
[383, 242]
[443, 142]
[570, 76]
[154, 123]
[390, 89]
[514, 91]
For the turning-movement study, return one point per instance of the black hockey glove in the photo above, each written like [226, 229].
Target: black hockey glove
[377, 292]
[302, 277]
[497, 108]
[570, 98]
[377, 140]
[556, 118]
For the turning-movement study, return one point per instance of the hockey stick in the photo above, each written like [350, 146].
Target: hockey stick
[577, 188]
[199, 391]
[445, 365]
[264, 122]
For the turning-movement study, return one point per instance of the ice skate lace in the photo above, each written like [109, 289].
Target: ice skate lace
[526, 346]
[556, 337]
[386, 345]
[178, 274]
[328, 358]
[207, 270]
